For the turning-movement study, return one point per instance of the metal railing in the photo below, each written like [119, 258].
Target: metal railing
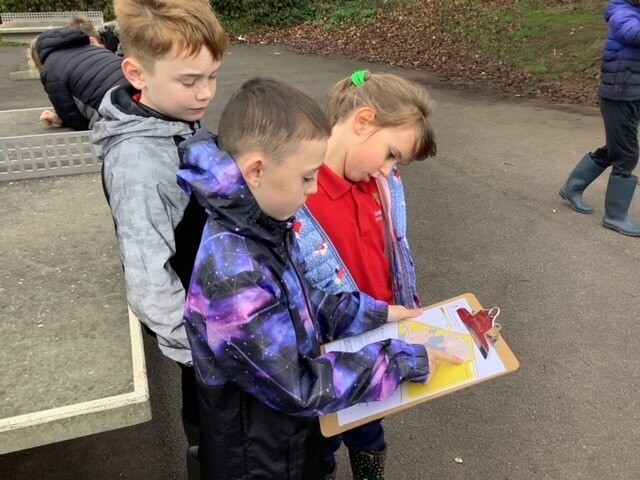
[20, 19]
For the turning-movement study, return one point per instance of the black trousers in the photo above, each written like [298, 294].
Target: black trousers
[243, 438]
[190, 408]
[621, 151]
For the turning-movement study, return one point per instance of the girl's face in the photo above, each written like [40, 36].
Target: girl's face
[375, 152]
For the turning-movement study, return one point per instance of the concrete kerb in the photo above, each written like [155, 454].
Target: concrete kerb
[24, 75]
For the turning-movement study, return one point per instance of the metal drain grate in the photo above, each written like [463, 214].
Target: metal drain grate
[47, 155]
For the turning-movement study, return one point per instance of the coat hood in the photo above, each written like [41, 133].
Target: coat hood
[59, 38]
[213, 176]
[123, 118]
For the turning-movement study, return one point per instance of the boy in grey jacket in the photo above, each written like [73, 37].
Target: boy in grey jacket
[172, 55]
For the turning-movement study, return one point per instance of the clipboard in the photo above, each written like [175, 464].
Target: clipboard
[332, 424]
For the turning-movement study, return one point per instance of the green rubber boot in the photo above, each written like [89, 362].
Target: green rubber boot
[616, 205]
[584, 173]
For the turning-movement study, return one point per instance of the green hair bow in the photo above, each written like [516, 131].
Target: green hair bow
[358, 78]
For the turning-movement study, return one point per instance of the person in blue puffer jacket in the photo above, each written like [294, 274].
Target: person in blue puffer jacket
[619, 94]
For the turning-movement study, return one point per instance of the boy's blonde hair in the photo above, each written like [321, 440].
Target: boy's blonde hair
[268, 116]
[396, 101]
[149, 29]
[32, 54]
[85, 25]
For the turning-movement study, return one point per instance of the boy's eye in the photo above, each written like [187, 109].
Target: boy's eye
[309, 179]
[188, 83]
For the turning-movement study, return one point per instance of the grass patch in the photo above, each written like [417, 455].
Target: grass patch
[331, 16]
[4, 43]
[334, 14]
[545, 40]
[328, 14]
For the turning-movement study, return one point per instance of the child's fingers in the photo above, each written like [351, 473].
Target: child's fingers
[414, 312]
[398, 312]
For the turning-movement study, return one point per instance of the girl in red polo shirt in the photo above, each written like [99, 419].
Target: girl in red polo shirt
[353, 231]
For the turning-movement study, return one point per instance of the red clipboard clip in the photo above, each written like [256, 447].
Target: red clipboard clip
[482, 327]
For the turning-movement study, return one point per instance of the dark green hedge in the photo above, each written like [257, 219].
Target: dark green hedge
[266, 12]
[250, 12]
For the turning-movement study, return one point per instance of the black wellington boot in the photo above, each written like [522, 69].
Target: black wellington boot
[616, 205]
[332, 475]
[367, 465]
[585, 172]
[192, 431]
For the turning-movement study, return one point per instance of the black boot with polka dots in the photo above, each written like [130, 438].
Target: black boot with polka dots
[367, 465]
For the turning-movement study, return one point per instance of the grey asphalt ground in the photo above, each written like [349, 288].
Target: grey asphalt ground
[485, 217]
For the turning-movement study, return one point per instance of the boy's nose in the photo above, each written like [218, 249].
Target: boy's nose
[205, 92]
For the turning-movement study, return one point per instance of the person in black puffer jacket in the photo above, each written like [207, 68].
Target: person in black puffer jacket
[76, 73]
[620, 106]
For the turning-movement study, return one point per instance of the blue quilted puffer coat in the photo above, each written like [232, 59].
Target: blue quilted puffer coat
[326, 270]
[620, 78]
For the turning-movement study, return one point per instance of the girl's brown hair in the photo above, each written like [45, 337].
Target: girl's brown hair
[396, 101]
[32, 55]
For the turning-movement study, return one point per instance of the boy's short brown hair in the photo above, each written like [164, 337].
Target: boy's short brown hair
[149, 29]
[271, 117]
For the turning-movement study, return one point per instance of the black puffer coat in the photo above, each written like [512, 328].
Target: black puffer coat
[76, 75]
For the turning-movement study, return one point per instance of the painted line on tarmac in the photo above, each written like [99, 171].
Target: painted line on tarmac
[23, 110]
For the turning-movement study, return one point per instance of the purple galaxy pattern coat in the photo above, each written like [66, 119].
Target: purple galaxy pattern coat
[252, 319]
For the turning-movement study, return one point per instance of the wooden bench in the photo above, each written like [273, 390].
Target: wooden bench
[22, 27]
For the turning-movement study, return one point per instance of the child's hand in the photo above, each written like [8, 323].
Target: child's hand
[49, 118]
[398, 313]
[436, 357]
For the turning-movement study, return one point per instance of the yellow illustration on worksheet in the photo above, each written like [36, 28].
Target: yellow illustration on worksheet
[447, 375]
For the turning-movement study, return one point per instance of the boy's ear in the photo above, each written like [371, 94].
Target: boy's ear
[363, 120]
[134, 73]
[252, 168]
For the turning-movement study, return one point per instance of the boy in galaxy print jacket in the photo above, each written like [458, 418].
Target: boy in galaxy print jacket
[254, 324]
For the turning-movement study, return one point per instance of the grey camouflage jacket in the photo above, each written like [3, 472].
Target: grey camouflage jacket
[139, 173]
